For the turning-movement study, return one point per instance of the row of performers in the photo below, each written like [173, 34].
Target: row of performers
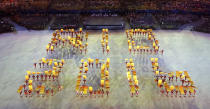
[69, 31]
[138, 31]
[35, 82]
[172, 84]
[48, 63]
[132, 77]
[83, 89]
[105, 41]
[74, 41]
[73, 31]
[135, 45]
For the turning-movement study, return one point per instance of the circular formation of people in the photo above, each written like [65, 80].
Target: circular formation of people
[45, 80]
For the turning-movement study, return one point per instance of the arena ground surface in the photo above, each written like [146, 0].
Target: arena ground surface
[183, 50]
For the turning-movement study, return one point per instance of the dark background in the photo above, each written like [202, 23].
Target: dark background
[56, 14]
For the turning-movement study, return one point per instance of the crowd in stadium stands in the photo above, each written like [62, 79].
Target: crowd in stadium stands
[67, 5]
[141, 20]
[103, 14]
[65, 21]
[6, 26]
[174, 21]
[204, 27]
[144, 20]
[32, 21]
[160, 21]
[34, 4]
[102, 4]
[185, 5]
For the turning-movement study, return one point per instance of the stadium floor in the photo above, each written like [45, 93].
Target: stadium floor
[183, 50]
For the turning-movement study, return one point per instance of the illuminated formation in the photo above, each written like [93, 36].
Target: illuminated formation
[138, 40]
[173, 84]
[105, 41]
[45, 82]
[132, 77]
[64, 42]
[86, 69]
[46, 79]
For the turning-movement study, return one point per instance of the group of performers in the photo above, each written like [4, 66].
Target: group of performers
[45, 82]
[137, 44]
[87, 68]
[68, 41]
[132, 77]
[105, 41]
[47, 63]
[173, 84]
